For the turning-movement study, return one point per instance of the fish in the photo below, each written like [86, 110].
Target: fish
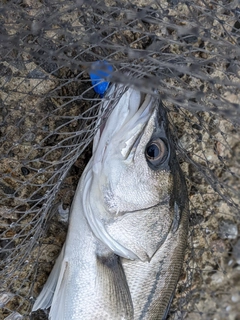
[128, 226]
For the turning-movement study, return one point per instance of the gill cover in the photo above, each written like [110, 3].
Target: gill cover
[130, 115]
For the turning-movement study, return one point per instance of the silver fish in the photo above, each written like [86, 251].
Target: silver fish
[129, 221]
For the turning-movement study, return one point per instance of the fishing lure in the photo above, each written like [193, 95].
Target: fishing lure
[101, 71]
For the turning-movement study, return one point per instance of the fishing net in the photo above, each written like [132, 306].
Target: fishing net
[185, 51]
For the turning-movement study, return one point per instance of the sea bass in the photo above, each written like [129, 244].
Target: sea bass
[129, 220]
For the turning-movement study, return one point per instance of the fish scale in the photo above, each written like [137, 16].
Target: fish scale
[128, 223]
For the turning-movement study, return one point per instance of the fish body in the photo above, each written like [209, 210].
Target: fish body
[129, 219]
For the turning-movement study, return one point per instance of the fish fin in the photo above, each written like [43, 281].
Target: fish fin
[168, 307]
[44, 300]
[114, 288]
[58, 301]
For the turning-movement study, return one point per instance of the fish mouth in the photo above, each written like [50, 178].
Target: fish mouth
[128, 112]
[135, 127]
[127, 118]
[125, 114]
[132, 107]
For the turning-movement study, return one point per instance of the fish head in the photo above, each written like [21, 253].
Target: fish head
[132, 169]
[133, 177]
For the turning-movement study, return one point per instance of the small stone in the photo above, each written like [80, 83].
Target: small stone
[236, 251]
[235, 297]
[228, 230]
[4, 298]
[218, 278]
[63, 213]
[29, 136]
[25, 171]
[228, 308]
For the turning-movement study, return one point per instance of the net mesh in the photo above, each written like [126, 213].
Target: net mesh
[185, 51]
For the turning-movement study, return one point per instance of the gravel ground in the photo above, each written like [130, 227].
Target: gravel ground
[46, 125]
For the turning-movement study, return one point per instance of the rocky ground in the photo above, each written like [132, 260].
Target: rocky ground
[45, 133]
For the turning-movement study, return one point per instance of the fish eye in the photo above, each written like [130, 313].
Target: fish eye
[156, 152]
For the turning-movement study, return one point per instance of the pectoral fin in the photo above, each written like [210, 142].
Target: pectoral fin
[114, 292]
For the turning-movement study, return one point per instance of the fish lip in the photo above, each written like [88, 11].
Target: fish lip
[125, 133]
[129, 112]
[111, 99]
[143, 115]
[112, 103]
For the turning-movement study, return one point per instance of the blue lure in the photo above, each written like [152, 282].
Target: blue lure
[101, 70]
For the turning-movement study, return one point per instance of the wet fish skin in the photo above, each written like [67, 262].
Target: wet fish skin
[152, 284]
[160, 231]
[128, 218]
[87, 281]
